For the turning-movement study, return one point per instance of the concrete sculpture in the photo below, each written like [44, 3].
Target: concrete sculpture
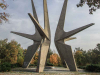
[61, 36]
[41, 38]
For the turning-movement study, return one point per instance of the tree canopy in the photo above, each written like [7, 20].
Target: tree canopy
[3, 15]
[92, 4]
[91, 56]
[10, 51]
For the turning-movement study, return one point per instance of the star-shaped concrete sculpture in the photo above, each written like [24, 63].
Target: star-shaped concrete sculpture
[41, 39]
[61, 36]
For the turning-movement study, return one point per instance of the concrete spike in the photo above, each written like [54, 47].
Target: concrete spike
[46, 19]
[24, 35]
[62, 16]
[66, 53]
[46, 42]
[73, 32]
[67, 39]
[39, 28]
[61, 36]
[43, 37]
[30, 54]
[34, 11]
[34, 47]
[43, 55]
[35, 16]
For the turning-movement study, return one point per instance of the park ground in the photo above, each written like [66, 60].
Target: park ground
[47, 71]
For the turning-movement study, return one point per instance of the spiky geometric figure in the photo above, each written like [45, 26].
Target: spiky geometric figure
[41, 38]
[61, 36]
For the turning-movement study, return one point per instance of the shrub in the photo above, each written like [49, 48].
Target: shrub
[49, 64]
[35, 63]
[32, 65]
[82, 67]
[20, 61]
[60, 65]
[93, 68]
[15, 65]
[5, 67]
[0, 67]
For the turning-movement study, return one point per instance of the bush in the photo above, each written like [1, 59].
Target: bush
[93, 68]
[82, 67]
[35, 63]
[15, 65]
[60, 65]
[5, 67]
[20, 61]
[0, 67]
[49, 64]
[32, 65]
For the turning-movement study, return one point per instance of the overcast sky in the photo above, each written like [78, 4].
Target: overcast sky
[19, 21]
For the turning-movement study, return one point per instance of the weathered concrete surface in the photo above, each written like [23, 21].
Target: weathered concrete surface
[31, 50]
[41, 38]
[46, 42]
[61, 36]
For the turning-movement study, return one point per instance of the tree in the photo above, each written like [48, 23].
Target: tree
[96, 55]
[10, 51]
[92, 4]
[35, 59]
[54, 59]
[3, 16]
[80, 57]
[50, 52]
[92, 56]
[3, 44]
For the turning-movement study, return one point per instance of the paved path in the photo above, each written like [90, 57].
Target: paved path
[47, 71]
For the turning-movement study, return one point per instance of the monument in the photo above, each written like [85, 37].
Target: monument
[42, 40]
[61, 36]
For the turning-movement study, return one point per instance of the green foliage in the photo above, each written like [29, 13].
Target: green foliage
[35, 63]
[20, 52]
[0, 67]
[20, 57]
[60, 65]
[20, 61]
[15, 65]
[0, 61]
[91, 56]
[3, 16]
[10, 51]
[50, 52]
[80, 57]
[32, 65]
[49, 64]
[82, 67]
[5, 67]
[92, 4]
[93, 68]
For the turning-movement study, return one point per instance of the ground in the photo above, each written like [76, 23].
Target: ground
[47, 71]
